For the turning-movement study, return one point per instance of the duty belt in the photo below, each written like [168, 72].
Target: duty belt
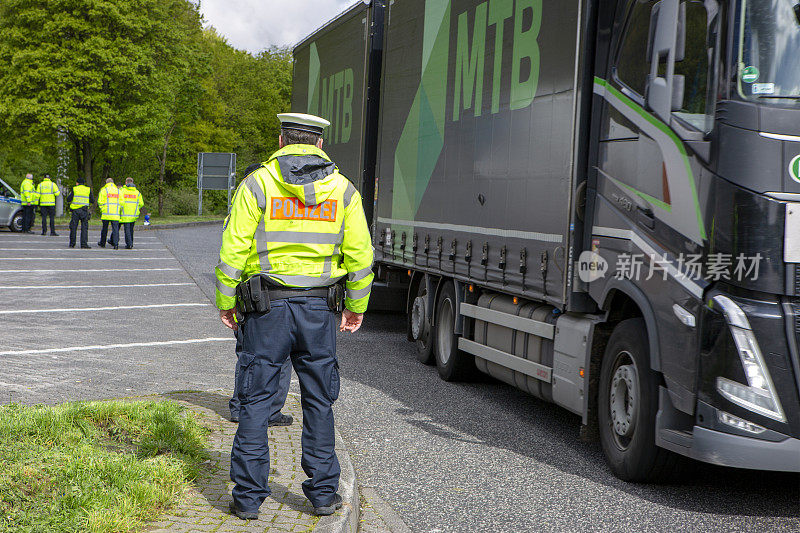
[255, 294]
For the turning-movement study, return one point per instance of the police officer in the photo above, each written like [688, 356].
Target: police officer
[109, 203]
[296, 229]
[132, 204]
[79, 199]
[47, 192]
[29, 201]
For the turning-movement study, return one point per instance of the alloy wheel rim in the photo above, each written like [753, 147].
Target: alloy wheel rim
[623, 399]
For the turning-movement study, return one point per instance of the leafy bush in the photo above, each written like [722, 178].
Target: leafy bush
[179, 202]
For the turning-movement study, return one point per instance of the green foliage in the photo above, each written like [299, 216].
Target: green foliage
[139, 86]
[97, 466]
[181, 201]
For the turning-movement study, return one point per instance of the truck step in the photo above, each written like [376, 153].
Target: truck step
[677, 437]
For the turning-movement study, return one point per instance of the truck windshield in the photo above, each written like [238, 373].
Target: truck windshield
[769, 48]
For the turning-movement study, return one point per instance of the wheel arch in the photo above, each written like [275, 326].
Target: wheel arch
[622, 299]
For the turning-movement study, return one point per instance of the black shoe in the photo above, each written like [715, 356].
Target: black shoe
[331, 508]
[29, 231]
[54, 234]
[244, 515]
[281, 420]
[72, 246]
[101, 245]
[109, 242]
[85, 246]
[129, 247]
[44, 233]
[116, 247]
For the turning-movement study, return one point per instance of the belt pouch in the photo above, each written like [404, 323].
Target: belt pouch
[259, 295]
[336, 298]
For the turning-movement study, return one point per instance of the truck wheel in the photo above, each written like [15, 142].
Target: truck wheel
[16, 222]
[452, 363]
[627, 407]
[419, 325]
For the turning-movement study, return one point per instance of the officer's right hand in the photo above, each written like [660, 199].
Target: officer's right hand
[228, 318]
[351, 321]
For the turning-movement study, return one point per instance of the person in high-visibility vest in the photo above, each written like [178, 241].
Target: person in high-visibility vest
[79, 199]
[29, 201]
[109, 202]
[131, 203]
[295, 232]
[47, 192]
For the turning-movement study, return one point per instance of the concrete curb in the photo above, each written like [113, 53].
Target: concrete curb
[345, 520]
[142, 227]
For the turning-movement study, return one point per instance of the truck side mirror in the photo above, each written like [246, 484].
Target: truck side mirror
[666, 45]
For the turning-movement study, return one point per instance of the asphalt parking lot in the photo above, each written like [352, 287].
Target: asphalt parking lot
[102, 323]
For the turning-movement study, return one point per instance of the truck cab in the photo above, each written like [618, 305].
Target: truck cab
[10, 207]
[694, 202]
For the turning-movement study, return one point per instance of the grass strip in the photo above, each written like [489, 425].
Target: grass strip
[95, 466]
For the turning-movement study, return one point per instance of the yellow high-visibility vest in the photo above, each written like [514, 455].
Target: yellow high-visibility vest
[109, 202]
[28, 192]
[131, 203]
[80, 197]
[300, 228]
[47, 191]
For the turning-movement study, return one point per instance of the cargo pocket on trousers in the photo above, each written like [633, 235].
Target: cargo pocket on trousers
[245, 373]
[334, 382]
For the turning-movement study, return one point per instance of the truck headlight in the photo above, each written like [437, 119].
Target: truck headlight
[758, 395]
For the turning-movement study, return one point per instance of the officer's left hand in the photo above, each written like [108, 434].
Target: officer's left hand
[227, 317]
[351, 321]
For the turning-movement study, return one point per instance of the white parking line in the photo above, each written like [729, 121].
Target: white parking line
[110, 258]
[13, 238]
[116, 346]
[81, 309]
[94, 286]
[48, 270]
[72, 250]
[40, 242]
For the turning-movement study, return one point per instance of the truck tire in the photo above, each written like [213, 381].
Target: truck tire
[452, 363]
[424, 344]
[627, 405]
[16, 222]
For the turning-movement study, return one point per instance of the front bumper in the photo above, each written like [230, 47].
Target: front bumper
[738, 451]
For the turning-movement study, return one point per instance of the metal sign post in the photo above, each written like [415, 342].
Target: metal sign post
[216, 171]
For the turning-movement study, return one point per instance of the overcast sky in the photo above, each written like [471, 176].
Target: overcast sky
[253, 25]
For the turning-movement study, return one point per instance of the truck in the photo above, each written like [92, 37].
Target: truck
[595, 202]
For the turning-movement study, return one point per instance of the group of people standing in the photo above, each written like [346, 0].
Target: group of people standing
[117, 205]
[43, 195]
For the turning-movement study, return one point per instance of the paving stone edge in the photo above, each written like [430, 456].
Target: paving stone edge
[346, 519]
[151, 227]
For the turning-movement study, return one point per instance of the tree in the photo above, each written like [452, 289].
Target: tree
[103, 69]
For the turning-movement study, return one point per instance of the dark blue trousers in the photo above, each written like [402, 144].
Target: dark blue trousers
[283, 384]
[114, 240]
[128, 227]
[304, 329]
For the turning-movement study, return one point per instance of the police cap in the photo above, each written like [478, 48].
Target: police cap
[303, 122]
